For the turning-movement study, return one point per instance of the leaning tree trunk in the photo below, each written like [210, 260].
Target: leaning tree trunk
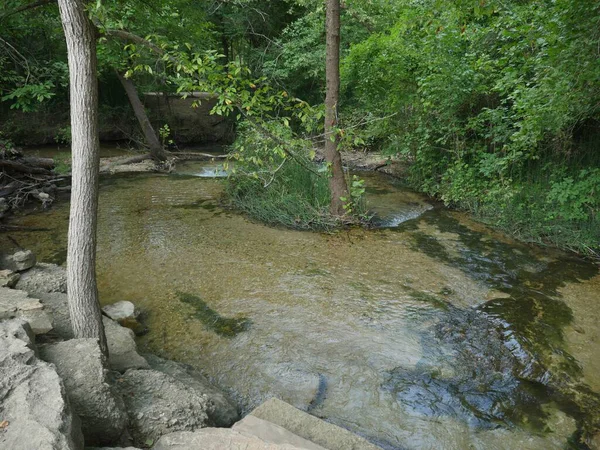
[337, 182]
[84, 307]
[156, 149]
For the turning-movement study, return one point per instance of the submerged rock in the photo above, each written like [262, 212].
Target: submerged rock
[18, 261]
[35, 412]
[80, 364]
[221, 411]
[122, 350]
[158, 404]
[17, 304]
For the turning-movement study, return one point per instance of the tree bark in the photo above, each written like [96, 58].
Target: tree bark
[337, 181]
[84, 308]
[156, 149]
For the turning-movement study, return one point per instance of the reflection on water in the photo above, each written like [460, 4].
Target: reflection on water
[431, 332]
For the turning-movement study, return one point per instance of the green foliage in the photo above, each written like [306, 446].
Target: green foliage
[276, 189]
[487, 104]
[63, 135]
[62, 164]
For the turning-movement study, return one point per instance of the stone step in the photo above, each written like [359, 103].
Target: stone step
[275, 414]
[272, 433]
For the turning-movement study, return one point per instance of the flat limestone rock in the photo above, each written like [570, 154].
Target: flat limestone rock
[80, 364]
[216, 439]
[274, 434]
[33, 403]
[158, 404]
[222, 412]
[57, 304]
[122, 349]
[17, 304]
[43, 278]
[311, 428]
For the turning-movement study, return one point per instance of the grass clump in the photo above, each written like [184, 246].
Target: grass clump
[275, 181]
[295, 198]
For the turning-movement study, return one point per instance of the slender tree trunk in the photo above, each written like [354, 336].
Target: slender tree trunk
[337, 182]
[156, 149]
[84, 307]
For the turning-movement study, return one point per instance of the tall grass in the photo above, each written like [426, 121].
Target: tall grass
[295, 198]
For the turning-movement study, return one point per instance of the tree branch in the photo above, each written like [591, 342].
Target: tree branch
[25, 8]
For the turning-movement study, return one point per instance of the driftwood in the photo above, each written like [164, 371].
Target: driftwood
[22, 166]
[24, 178]
[195, 156]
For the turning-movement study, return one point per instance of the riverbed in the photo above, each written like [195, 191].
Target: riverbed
[429, 331]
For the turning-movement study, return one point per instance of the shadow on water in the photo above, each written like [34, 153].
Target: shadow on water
[223, 326]
[505, 359]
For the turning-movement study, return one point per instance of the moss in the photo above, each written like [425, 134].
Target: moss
[223, 326]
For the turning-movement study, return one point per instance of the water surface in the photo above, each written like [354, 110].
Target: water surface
[429, 332]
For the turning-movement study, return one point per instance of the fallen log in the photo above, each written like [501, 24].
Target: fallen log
[195, 156]
[17, 166]
[46, 163]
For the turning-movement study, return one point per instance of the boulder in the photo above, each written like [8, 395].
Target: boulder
[56, 303]
[217, 439]
[8, 278]
[221, 411]
[18, 261]
[122, 310]
[126, 314]
[158, 404]
[43, 278]
[17, 304]
[34, 410]
[122, 350]
[80, 364]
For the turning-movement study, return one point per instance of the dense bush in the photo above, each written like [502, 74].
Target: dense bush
[490, 107]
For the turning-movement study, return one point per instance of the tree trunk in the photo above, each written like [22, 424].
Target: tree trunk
[156, 149]
[337, 181]
[84, 307]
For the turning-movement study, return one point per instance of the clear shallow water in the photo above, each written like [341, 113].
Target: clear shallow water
[432, 332]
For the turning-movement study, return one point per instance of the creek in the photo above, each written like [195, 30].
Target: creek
[430, 331]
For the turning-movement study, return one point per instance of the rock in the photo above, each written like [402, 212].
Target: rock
[8, 278]
[310, 427]
[158, 404]
[57, 304]
[17, 304]
[216, 439]
[18, 261]
[33, 404]
[122, 310]
[221, 411]
[80, 364]
[274, 434]
[43, 278]
[122, 350]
